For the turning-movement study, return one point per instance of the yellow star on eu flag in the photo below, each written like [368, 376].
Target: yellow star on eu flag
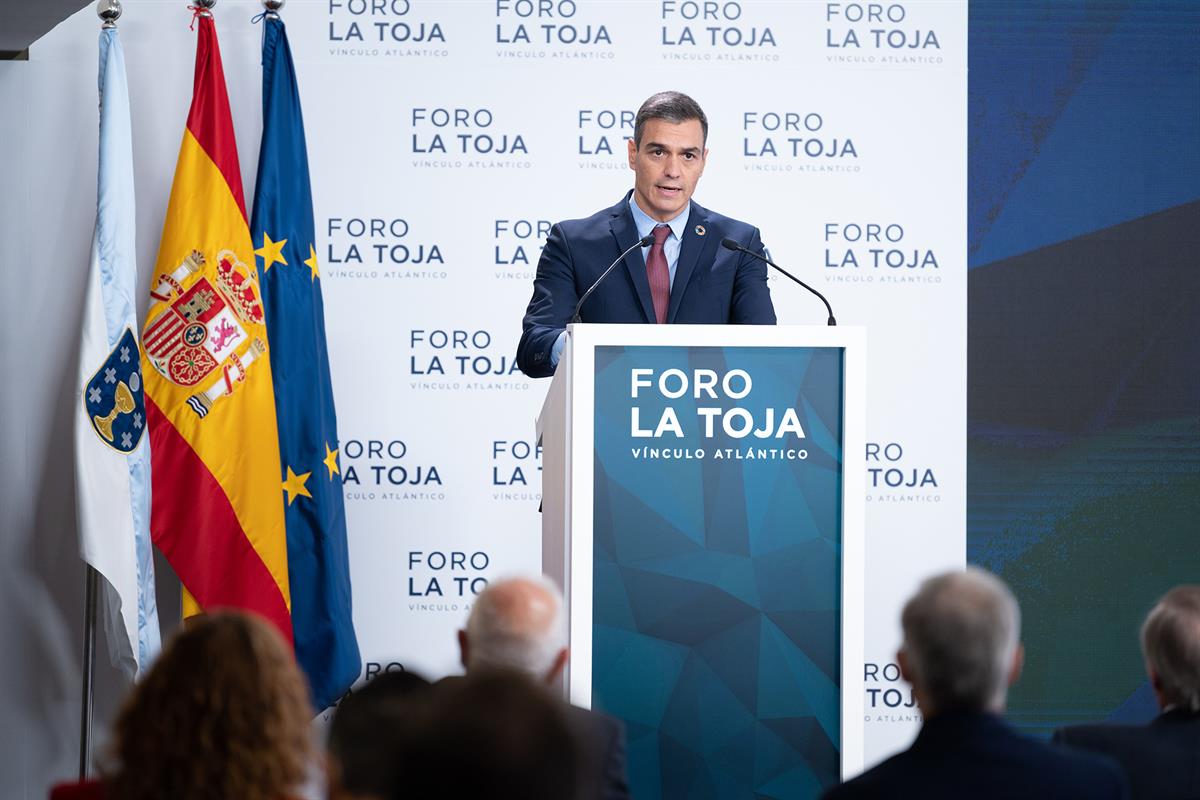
[311, 262]
[271, 252]
[331, 464]
[294, 485]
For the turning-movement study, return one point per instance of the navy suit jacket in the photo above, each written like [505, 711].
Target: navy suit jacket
[979, 756]
[603, 740]
[1162, 759]
[712, 285]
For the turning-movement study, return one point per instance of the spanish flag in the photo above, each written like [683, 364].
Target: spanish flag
[217, 505]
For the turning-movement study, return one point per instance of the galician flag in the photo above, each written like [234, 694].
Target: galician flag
[290, 276]
[112, 449]
[218, 504]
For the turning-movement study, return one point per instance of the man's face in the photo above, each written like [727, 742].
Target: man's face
[667, 166]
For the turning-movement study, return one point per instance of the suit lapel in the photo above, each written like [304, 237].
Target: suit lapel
[1176, 716]
[693, 246]
[625, 234]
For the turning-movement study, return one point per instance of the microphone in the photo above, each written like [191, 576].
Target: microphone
[730, 244]
[645, 241]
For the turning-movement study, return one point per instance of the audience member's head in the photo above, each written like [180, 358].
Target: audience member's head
[961, 646]
[368, 735]
[517, 624]
[1171, 646]
[224, 712]
[496, 734]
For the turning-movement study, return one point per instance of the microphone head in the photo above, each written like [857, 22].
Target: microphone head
[730, 244]
[646, 240]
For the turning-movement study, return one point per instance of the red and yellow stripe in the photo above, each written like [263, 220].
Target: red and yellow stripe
[217, 511]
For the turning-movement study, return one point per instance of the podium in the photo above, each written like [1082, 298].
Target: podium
[703, 504]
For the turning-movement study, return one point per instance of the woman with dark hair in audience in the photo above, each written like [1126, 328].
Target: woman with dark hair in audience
[223, 713]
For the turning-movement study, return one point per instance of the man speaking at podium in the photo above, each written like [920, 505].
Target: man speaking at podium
[683, 274]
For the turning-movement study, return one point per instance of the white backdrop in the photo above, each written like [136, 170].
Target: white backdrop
[442, 145]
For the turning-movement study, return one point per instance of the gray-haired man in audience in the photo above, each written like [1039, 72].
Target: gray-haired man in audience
[519, 624]
[1162, 759]
[961, 652]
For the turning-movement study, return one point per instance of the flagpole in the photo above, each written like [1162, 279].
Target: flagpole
[89, 666]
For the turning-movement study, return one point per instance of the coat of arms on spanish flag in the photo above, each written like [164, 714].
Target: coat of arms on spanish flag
[217, 508]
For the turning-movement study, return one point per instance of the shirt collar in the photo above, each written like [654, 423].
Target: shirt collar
[645, 223]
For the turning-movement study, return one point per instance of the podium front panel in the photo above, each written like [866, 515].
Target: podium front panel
[717, 531]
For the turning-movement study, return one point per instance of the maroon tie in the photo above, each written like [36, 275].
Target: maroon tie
[658, 274]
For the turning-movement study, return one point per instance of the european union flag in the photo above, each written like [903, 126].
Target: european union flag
[282, 228]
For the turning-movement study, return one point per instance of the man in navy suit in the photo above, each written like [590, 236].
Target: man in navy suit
[961, 652]
[1162, 759]
[685, 276]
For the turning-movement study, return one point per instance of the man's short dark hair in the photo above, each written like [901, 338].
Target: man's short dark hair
[370, 730]
[674, 107]
[496, 735]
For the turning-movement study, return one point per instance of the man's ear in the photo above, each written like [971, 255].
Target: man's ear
[1018, 664]
[632, 154]
[1156, 684]
[902, 662]
[464, 648]
[560, 661]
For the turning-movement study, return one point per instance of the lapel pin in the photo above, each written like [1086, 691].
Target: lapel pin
[700, 230]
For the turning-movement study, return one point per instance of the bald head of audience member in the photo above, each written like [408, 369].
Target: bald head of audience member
[516, 624]
[961, 647]
[1171, 647]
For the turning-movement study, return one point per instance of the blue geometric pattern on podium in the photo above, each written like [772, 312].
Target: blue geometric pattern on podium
[717, 595]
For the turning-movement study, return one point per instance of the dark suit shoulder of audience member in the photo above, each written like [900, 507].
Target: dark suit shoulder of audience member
[979, 756]
[1162, 759]
[602, 738]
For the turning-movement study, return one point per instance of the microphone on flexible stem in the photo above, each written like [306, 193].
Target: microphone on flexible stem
[645, 241]
[730, 244]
